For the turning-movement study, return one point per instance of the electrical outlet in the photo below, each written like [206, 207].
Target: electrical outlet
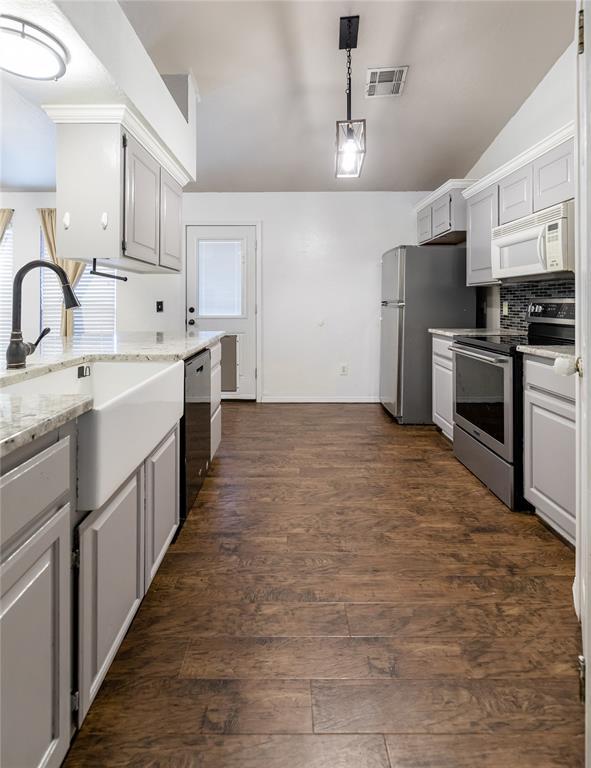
[505, 308]
[344, 369]
[159, 306]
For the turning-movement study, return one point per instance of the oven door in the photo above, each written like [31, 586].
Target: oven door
[483, 397]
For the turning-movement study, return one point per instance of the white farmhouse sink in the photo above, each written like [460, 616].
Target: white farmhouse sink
[135, 405]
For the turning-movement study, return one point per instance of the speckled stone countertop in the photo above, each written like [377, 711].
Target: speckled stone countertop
[552, 351]
[60, 352]
[26, 417]
[464, 331]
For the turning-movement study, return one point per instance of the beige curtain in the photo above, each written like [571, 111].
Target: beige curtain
[73, 269]
[5, 217]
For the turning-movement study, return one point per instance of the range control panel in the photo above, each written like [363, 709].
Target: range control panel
[552, 311]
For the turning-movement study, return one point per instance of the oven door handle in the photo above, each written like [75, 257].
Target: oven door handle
[475, 356]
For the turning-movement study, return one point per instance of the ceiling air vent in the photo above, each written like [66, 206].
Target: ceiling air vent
[385, 81]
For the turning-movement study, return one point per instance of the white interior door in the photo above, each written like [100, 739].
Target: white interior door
[221, 295]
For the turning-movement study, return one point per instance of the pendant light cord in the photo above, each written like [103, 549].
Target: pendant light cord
[348, 89]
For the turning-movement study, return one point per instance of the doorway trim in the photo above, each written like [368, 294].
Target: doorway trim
[258, 299]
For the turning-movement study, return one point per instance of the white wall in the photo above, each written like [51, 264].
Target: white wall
[320, 283]
[549, 107]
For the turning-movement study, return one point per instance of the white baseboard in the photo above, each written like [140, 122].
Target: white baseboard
[320, 399]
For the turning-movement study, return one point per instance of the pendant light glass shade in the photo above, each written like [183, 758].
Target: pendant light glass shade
[29, 51]
[350, 148]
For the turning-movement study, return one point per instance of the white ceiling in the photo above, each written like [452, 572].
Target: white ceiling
[271, 80]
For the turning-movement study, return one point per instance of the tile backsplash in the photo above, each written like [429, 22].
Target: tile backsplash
[519, 296]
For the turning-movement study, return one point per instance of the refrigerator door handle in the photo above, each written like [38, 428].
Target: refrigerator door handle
[393, 304]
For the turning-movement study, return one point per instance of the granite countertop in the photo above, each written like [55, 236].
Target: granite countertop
[551, 351]
[61, 352]
[24, 418]
[465, 331]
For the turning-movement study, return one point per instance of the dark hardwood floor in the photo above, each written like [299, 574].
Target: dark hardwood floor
[345, 594]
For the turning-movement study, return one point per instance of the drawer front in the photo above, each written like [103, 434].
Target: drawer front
[216, 431]
[216, 354]
[441, 347]
[441, 215]
[424, 225]
[554, 176]
[216, 388]
[32, 488]
[516, 195]
[540, 374]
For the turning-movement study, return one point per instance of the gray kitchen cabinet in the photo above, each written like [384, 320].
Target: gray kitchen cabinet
[36, 648]
[141, 236]
[424, 225]
[483, 215]
[162, 502]
[171, 228]
[549, 456]
[441, 215]
[129, 217]
[36, 491]
[442, 372]
[111, 582]
[554, 176]
[216, 398]
[516, 194]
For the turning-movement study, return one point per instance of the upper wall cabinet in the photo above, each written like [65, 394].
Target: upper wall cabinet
[483, 215]
[516, 195]
[541, 177]
[554, 176]
[116, 203]
[441, 217]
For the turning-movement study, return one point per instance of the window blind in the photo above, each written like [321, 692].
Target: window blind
[6, 275]
[96, 295]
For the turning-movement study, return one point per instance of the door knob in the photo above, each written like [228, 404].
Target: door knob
[191, 309]
[191, 322]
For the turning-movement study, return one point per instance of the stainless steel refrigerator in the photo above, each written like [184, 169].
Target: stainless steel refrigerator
[422, 287]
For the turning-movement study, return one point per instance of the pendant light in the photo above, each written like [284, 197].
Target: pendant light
[350, 133]
[30, 51]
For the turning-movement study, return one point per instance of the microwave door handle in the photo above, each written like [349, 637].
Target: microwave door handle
[541, 248]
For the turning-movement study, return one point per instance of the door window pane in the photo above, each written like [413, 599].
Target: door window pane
[219, 278]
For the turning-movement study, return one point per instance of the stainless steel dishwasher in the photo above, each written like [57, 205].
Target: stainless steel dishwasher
[195, 429]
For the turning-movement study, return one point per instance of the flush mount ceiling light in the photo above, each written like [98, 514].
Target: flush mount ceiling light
[29, 51]
[350, 133]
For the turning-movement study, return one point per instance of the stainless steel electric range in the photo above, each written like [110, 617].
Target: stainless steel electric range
[488, 397]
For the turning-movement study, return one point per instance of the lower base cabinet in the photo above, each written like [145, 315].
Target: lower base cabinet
[216, 398]
[35, 648]
[442, 376]
[111, 583]
[121, 548]
[162, 502]
[36, 503]
[549, 457]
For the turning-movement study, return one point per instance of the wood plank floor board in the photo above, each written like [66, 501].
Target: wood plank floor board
[345, 594]
[450, 706]
[153, 751]
[378, 657]
[488, 751]
[184, 708]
